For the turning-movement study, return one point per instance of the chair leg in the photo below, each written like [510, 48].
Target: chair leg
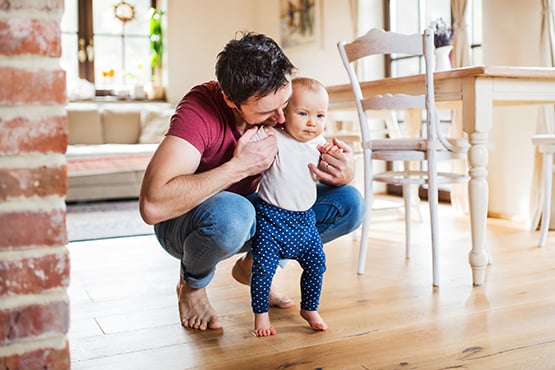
[547, 175]
[433, 204]
[368, 198]
[408, 217]
[364, 237]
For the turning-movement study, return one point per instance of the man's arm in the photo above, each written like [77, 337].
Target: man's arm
[335, 167]
[171, 188]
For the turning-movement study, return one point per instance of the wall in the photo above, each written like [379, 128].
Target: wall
[197, 31]
[511, 150]
[34, 262]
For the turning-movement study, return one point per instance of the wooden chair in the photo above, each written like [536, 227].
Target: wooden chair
[546, 146]
[425, 150]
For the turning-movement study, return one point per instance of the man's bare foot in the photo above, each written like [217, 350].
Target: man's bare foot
[278, 300]
[262, 326]
[314, 320]
[195, 312]
[241, 272]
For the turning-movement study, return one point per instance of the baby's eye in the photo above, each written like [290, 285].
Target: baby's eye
[303, 114]
[321, 116]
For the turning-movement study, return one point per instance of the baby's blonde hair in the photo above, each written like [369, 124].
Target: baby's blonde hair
[308, 83]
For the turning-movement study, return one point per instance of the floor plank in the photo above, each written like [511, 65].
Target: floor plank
[124, 312]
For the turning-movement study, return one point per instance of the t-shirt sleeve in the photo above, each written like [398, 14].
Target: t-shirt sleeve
[190, 122]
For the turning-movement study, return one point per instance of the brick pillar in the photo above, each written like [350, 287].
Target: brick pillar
[34, 260]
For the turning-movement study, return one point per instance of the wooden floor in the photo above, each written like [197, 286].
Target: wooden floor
[124, 312]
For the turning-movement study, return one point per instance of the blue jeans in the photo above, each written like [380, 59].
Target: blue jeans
[223, 225]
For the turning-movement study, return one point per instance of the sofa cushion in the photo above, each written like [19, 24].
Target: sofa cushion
[121, 126]
[84, 126]
[155, 125]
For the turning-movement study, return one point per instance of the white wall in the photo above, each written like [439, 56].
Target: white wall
[197, 31]
[511, 37]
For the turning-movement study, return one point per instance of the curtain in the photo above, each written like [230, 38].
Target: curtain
[460, 57]
[461, 48]
[546, 115]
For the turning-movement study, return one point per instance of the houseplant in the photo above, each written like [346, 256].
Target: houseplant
[155, 89]
[443, 34]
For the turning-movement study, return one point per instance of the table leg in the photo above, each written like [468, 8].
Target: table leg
[478, 204]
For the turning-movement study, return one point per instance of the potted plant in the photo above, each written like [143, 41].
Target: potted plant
[443, 34]
[155, 90]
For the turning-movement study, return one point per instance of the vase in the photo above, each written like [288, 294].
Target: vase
[443, 63]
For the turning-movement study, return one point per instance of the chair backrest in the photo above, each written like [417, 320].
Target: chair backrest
[380, 42]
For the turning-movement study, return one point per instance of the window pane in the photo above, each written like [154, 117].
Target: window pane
[476, 22]
[438, 9]
[404, 16]
[104, 19]
[137, 60]
[405, 67]
[108, 58]
[140, 25]
[68, 61]
[68, 25]
[121, 46]
[69, 19]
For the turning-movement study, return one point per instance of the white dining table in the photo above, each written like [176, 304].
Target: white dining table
[476, 90]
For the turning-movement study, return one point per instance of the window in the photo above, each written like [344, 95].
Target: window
[409, 16]
[110, 52]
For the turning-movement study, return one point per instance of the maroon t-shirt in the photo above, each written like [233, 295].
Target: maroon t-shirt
[203, 119]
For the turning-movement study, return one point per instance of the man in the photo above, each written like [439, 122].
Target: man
[199, 186]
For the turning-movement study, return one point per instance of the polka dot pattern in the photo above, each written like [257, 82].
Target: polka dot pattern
[284, 234]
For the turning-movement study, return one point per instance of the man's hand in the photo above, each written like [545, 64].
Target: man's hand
[335, 163]
[253, 155]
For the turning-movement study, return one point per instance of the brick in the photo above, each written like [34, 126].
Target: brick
[23, 36]
[50, 319]
[21, 134]
[21, 86]
[42, 359]
[33, 275]
[24, 228]
[27, 182]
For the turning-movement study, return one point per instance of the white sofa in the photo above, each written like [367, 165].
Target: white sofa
[110, 145]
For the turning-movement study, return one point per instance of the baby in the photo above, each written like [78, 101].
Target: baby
[286, 224]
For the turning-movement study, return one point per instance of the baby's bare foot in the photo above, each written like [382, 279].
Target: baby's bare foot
[195, 311]
[314, 320]
[262, 326]
[241, 272]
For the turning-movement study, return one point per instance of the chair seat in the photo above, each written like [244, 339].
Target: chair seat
[416, 177]
[459, 145]
[414, 149]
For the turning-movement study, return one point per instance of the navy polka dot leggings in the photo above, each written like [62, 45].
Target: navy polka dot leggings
[283, 234]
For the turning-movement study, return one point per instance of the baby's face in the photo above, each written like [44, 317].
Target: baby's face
[305, 115]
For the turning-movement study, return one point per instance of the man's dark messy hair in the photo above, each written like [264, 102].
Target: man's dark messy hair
[252, 65]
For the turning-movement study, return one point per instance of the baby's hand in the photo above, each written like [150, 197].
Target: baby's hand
[329, 148]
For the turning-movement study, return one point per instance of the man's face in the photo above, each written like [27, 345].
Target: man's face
[267, 110]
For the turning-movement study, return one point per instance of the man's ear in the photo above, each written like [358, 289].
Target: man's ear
[229, 103]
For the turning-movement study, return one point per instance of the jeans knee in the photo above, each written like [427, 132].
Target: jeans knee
[234, 225]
